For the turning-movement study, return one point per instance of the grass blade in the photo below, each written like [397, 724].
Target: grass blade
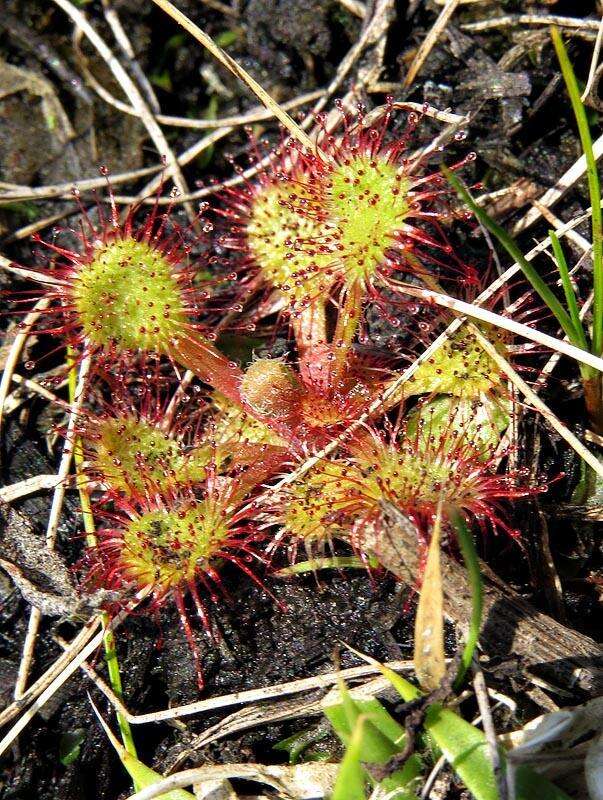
[568, 289]
[593, 187]
[465, 748]
[563, 318]
[351, 778]
[477, 593]
[382, 737]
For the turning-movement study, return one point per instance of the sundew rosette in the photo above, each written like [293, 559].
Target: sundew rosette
[330, 233]
[140, 441]
[130, 289]
[414, 469]
[176, 544]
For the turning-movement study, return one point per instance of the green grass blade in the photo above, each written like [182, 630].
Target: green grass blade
[382, 738]
[383, 732]
[88, 519]
[466, 749]
[477, 593]
[380, 729]
[568, 289]
[563, 318]
[463, 745]
[351, 778]
[593, 187]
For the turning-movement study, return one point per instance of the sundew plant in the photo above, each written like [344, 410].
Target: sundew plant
[249, 396]
[316, 245]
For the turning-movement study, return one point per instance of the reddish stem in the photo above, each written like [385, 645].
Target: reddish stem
[206, 362]
[310, 332]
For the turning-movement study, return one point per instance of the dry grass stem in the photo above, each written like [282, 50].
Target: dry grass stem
[121, 37]
[593, 63]
[354, 7]
[483, 702]
[373, 31]
[39, 225]
[533, 399]
[573, 236]
[430, 40]
[565, 182]
[261, 694]
[37, 483]
[10, 712]
[526, 332]
[572, 23]
[230, 64]
[50, 690]
[133, 95]
[69, 663]
[256, 114]
[96, 679]
[14, 192]
[16, 398]
[15, 352]
[288, 781]
[53, 522]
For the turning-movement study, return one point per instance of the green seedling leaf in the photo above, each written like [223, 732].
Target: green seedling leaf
[465, 748]
[351, 780]
[529, 785]
[389, 733]
[23, 210]
[594, 188]
[563, 318]
[462, 744]
[429, 657]
[162, 80]
[378, 746]
[297, 745]
[226, 38]
[382, 738]
[70, 746]
[141, 775]
[175, 42]
[336, 562]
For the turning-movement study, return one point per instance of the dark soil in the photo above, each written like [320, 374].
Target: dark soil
[521, 129]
